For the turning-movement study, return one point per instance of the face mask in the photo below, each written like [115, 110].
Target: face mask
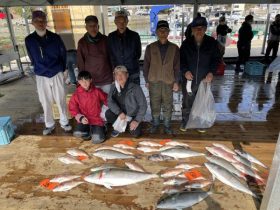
[41, 33]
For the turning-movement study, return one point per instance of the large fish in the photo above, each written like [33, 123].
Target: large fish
[150, 144]
[104, 166]
[250, 157]
[182, 200]
[175, 181]
[169, 147]
[108, 154]
[171, 172]
[135, 166]
[176, 143]
[115, 149]
[147, 149]
[224, 148]
[221, 153]
[245, 161]
[180, 152]
[77, 152]
[228, 178]
[117, 177]
[187, 166]
[123, 146]
[67, 159]
[225, 164]
[247, 170]
[64, 178]
[65, 186]
[159, 157]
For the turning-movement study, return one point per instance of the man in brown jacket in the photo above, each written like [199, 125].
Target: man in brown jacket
[93, 55]
[161, 72]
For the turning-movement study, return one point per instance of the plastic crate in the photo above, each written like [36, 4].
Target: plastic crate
[254, 68]
[55, 109]
[6, 130]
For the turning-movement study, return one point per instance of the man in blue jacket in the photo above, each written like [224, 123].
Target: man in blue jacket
[125, 47]
[48, 56]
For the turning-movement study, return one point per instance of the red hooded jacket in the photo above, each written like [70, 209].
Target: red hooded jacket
[88, 104]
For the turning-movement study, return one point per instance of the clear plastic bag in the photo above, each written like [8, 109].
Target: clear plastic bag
[203, 112]
[120, 125]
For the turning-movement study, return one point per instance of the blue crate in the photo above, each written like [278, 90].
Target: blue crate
[254, 68]
[6, 130]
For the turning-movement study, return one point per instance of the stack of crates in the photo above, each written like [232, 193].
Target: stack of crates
[254, 68]
[6, 130]
[55, 108]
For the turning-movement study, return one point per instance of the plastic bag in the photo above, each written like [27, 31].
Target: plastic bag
[103, 111]
[120, 125]
[203, 112]
[274, 67]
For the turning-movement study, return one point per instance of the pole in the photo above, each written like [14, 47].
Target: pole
[195, 9]
[102, 19]
[25, 20]
[266, 28]
[183, 23]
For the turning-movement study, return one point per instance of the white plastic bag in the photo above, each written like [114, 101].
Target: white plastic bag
[203, 112]
[120, 125]
[103, 111]
[274, 67]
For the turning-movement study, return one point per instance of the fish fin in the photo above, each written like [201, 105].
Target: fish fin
[107, 186]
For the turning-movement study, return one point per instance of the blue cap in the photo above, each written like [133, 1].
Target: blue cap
[199, 21]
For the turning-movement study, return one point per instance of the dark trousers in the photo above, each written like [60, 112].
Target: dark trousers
[112, 117]
[71, 62]
[272, 45]
[188, 100]
[96, 132]
[243, 55]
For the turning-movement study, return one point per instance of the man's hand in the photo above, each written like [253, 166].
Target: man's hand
[209, 77]
[84, 121]
[175, 87]
[122, 116]
[133, 125]
[189, 75]
[147, 85]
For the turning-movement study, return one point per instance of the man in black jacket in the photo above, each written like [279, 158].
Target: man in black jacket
[199, 57]
[245, 36]
[274, 38]
[125, 47]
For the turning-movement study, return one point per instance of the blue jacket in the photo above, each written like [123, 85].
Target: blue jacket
[125, 51]
[47, 54]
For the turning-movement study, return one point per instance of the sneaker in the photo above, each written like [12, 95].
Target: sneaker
[201, 130]
[48, 131]
[153, 129]
[83, 135]
[115, 133]
[168, 131]
[66, 128]
[183, 127]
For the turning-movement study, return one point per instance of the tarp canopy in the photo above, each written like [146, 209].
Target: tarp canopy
[11, 3]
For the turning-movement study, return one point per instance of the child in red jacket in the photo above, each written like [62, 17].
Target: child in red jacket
[85, 105]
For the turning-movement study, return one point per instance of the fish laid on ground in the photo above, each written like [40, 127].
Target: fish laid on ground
[197, 184]
[159, 157]
[247, 170]
[169, 147]
[187, 166]
[221, 153]
[175, 181]
[182, 200]
[135, 166]
[176, 143]
[195, 179]
[228, 178]
[104, 166]
[118, 177]
[115, 149]
[180, 152]
[225, 164]
[65, 186]
[67, 159]
[108, 154]
[147, 149]
[123, 146]
[150, 144]
[171, 172]
[172, 189]
[250, 157]
[77, 152]
[245, 161]
[64, 178]
[224, 148]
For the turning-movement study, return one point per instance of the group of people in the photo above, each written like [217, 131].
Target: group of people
[109, 74]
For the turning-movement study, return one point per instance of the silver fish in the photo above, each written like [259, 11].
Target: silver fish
[159, 157]
[123, 146]
[150, 144]
[171, 172]
[118, 177]
[250, 157]
[104, 166]
[67, 159]
[182, 200]
[115, 149]
[175, 181]
[228, 178]
[187, 166]
[217, 151]
[245, 161]
[65, 186]
[176, 143]
[179, 152]
[147, 149]
[247, 170]
[107, 154]
[77, 152]
[224, 148]
[64, 178]
[134, 166]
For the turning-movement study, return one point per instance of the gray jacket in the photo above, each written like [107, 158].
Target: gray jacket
[135, 102]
